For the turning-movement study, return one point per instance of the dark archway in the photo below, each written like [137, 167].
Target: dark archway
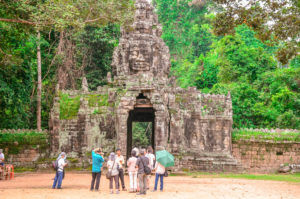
[142, 112]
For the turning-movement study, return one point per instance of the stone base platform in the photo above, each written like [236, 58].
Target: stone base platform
[207, 162]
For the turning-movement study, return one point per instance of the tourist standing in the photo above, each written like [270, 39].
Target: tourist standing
[141, 162]
[151, 158]
[113, 169]
[132, 171]
[159, 173]
[60, 171]
[137, 154]
[120, 160]
[137, 151]
[1, 157]
[97, 157]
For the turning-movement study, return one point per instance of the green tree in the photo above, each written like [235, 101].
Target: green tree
[62, 16]
[141, 134]
[274, 22]
[94, 49]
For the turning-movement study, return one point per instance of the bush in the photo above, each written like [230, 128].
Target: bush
[259, 135]
[16, 142]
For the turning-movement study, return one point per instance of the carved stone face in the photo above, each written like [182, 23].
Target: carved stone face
[140, 57]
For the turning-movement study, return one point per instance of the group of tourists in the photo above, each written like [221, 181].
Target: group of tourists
[140, 166]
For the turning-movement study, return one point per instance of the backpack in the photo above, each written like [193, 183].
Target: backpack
[55, 165]
[147, 170]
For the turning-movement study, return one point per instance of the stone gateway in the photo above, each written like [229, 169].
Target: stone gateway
[195, 127]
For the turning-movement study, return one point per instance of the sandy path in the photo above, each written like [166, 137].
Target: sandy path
[76, 185]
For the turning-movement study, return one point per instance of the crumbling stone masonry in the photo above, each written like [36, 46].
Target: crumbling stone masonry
[195, 127]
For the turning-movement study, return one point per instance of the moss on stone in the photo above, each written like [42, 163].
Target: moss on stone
[97, 100]
[68, 106]
[182, 98]
[173, 111]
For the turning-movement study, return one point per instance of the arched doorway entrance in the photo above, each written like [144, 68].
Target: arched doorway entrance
[143, 112]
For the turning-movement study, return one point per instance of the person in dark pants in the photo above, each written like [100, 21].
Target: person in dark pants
[141, 162]
[98, 160]
[120, 160]
[159, 174]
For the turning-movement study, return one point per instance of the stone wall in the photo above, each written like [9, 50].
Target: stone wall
[25, 147]
[28, 158]
[91, 126]
[265, 156]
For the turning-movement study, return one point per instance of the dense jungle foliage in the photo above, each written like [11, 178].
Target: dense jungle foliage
[265, 91]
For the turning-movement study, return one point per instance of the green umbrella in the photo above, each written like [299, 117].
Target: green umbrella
[165, 158]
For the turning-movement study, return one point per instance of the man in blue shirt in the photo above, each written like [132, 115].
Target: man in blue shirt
[98, 160]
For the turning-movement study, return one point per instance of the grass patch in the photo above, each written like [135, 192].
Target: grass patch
[278, 137]
[272, 177]
[23, 169]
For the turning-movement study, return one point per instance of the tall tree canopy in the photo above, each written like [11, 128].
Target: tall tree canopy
[274, 22]
[234, 57]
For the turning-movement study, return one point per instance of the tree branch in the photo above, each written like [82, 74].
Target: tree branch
[17, 21]
[94, 20]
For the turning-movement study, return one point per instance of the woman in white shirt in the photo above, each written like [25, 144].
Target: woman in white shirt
[159, 173]
[60, 171]
[113, 166]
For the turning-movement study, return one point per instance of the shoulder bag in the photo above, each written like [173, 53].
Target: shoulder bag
[108, 174]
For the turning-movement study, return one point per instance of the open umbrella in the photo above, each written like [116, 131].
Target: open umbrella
[165, 158]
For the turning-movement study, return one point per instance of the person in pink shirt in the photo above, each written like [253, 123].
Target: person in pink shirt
[132, 171]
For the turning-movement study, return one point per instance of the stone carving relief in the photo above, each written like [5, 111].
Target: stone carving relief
[140, 58]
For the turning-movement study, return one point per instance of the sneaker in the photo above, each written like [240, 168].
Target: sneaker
[153, 190]
[117, 192]
[124, 189]
[161, 190]
[111, 192]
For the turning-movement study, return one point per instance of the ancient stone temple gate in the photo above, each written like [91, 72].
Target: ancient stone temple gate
[195, 127]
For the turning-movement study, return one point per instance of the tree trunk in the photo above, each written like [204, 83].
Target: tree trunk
[67, 73]
[39, 87]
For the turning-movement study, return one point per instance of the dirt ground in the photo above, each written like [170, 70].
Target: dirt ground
[76, 185]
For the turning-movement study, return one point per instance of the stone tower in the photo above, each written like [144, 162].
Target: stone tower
[195, 127]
